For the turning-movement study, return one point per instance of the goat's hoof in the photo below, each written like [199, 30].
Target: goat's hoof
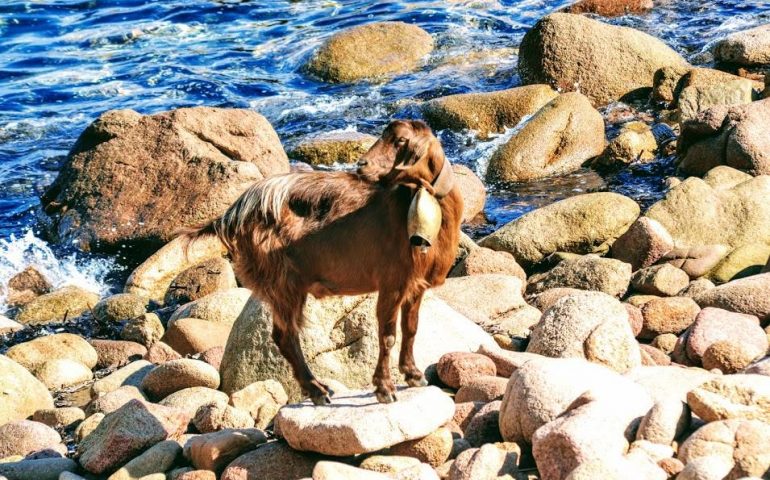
[321, 400]
[417, 382]
[388, 397]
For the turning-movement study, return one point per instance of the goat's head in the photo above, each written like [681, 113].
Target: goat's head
[408, 153]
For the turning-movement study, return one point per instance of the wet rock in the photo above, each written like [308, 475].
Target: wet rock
[744, 296]
[634, 143]
[572, 51]
[596, 426]
[339, 341]
[189, 336]
[333, 147]
[358, 424]
[370, 51]
[24, 437]
[57, 306]
[176, 375]
[215, 416]
[456, 369]
[581, 224]
[558, 139]
[610, 8]
[484, 426]
[665, 422]
[202, 279]
[433, 449]
[670, 83]
[485, 463]
[740, 444]
[489, 112]
[662, 280]
[128, 431]
[593, 326]
[696, 261]
[131, 375]
[120, 307]
[744, 261]
[59, 418]
[484, 260]
[472, 190]
[219, 307]
[214, 451]
[747, 47]
[667, 315]
[189, 400]
[726, 135]
[109, 402]
[157, 459]
[40, 469]
[728, 357]
[34, 353]
[732, 397]
[713, 325]
[155, 275]
[146, 330]
[117, 353]
[25, 286]
[483, 298]
[22, 393]
[161, 352]
[589, 272]
[541, 389]
[485, 388]
[261, 399]
[275, 461]
[97, 203]
[63, 372]
[688, 212]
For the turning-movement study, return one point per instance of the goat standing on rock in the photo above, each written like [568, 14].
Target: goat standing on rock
[335, 233]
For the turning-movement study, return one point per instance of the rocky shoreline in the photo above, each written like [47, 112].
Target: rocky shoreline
[587, 339]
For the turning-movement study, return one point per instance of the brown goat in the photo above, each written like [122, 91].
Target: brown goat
[323, 233]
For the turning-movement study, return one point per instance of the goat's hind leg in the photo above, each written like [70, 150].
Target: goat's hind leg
[387, 315]
[286, 323]
[409, 320]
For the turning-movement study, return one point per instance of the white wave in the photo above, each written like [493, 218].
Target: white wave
[36, 128]
[16, 254]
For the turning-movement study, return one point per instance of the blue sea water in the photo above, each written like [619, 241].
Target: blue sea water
[63, 62]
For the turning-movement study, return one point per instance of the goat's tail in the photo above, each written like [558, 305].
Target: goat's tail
[213, 228]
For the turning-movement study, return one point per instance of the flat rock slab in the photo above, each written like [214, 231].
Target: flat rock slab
[355, 423]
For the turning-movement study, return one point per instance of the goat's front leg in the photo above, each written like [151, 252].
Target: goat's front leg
[387, 314]
[286, 337]
[409, 319]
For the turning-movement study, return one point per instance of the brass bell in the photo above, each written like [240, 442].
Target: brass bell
[424, 219]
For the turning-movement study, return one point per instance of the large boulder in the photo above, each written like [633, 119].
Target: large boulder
[747, 47]
[357, 424]
[582, 224]
[592, 326]
[670, 82]
[126, 432]
[558, 139]
[176, 375]
[97, 202]
[372, 51]
[605, 62]
[35, 353]
[333, 147]
[745, 295]
[22, 393]
[340, 341]
[732, 396]
[740, 444]
[610, 8]
[542, 388]
[58, 306]
[155, 275]
[588, 272]
[727, 135]
[714, 325]
[701, 212]
[201, 279]
[488, 112]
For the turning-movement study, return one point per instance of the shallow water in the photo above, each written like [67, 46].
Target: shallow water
[63, 62]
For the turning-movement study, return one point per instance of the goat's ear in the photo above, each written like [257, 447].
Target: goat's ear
[414, 150]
